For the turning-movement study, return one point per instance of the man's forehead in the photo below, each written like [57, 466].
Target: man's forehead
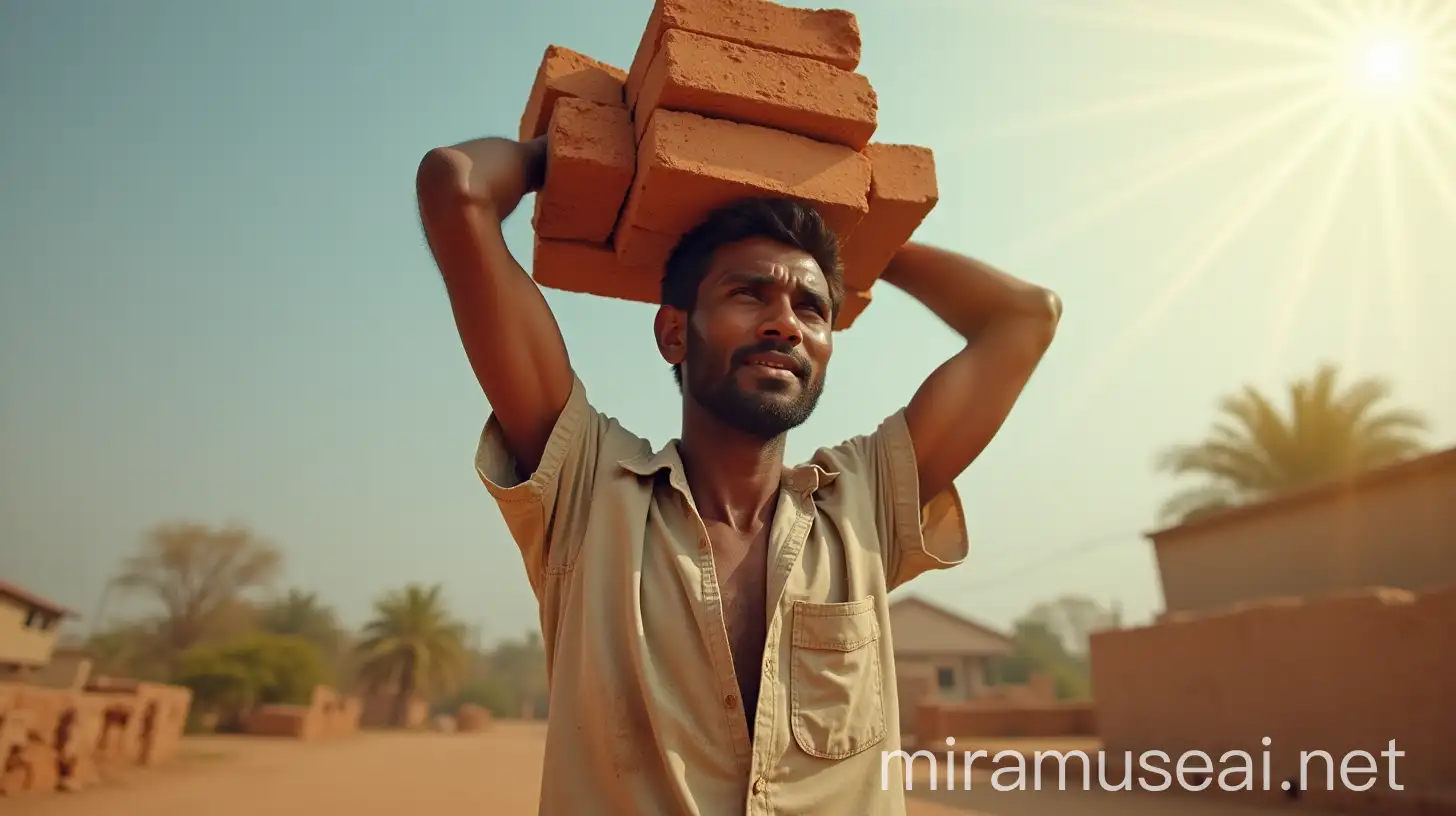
[761, 260]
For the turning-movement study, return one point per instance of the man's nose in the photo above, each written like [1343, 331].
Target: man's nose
[781, 324]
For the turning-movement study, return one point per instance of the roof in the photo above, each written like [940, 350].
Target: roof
[1364, 481]
[907, 645]
[32, 600]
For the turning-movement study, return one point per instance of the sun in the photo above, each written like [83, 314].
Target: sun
[1365, 90]
[1385, 64]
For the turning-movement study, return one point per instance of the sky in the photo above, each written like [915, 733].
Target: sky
[216, 304]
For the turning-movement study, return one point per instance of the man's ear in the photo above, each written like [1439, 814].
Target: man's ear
[671, 326]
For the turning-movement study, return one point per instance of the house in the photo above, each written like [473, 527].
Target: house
[1391, 527]
[29, 625]
[941, 654]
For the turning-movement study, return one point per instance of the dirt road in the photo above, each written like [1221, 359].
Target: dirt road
[491, 774]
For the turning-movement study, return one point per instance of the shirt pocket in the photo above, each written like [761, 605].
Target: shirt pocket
[836, 697]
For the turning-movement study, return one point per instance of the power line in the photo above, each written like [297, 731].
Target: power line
[1076, 548]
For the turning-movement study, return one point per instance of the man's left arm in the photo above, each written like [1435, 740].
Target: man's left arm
[1008, 325]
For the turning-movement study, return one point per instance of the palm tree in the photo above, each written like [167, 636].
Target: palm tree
[1254, 453]
[412, 644]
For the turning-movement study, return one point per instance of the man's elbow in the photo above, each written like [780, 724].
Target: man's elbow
[441, 176]
[1042, 317]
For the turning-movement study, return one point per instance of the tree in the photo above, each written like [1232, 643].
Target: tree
[1073, 619]
[133, 649]
[303, 614]
[520, 666]
[201, 578]
[1036, 649]
[260, 668]
[412, 645]
[1253, 453]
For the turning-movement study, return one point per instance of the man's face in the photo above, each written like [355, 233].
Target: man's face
[759, 339]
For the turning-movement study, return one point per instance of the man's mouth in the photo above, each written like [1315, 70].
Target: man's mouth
[775, 363]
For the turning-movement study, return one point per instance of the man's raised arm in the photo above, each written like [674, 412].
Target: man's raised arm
[1008, 325]
[510, 336]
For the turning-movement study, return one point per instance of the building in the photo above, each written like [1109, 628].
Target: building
[1392, 527]
[29, 625]
[941, 654]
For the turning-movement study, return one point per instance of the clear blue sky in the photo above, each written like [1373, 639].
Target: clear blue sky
[215, 302]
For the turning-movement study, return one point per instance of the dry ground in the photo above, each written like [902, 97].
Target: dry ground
[462, 775]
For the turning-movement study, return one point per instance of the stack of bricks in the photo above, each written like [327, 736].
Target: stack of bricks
[724, 99]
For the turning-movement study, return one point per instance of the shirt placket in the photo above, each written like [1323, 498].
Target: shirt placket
[713, 629]
[787, 544]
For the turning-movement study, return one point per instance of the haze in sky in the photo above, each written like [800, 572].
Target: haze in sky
[216, 303]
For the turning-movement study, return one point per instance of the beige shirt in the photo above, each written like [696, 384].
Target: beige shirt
[645, 716]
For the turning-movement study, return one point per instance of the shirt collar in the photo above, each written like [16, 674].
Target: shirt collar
[804, 479]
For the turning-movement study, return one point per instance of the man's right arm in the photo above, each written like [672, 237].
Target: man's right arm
[511, 339]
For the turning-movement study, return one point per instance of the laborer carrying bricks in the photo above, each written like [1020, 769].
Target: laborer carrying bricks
[715, 619]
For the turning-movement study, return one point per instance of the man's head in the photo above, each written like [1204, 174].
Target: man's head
[749, 299]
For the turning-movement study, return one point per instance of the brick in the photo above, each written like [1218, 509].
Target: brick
[725, 80]
[689, 165]
[641, 247]
[829, 36]
[590, 164]
[855, 302]
[593, 269]
[567, 73]
[903, 191]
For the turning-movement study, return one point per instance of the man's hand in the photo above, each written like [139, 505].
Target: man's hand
[1008, 326]
[510, 336]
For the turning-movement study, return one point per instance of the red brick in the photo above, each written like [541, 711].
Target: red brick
[725, 80]
[567, 73]
[593, 269]
[643, 248]
[903, 191]
[590, 164]
[689, 165]
[829, 36]
[855, 302]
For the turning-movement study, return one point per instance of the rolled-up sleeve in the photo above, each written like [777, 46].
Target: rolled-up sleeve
[546, 512]
[915, 535]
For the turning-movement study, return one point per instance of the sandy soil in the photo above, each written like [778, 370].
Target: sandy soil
[462, 775]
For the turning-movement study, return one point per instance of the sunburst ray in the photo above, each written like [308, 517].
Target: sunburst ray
[1311, 240]
[1249, 207]
[1214, 147]
[1156, 18]
[1261, 79]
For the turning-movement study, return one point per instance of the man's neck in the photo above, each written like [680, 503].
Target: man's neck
[733, 476]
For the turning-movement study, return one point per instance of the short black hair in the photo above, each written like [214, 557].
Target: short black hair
[783, 220]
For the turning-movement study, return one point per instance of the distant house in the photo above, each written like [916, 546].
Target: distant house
[940, 653]
[1392, 527]
[29, 625]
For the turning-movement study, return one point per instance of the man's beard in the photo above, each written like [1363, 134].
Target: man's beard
[763, 412]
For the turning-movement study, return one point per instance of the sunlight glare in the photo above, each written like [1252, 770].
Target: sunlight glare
[1386, 63]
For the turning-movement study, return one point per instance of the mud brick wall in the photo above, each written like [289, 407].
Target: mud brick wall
[725, 99]
[1344, 673]
[327, 715]
[471, 718]
[935, 720]
[66, 739]
[378, 711]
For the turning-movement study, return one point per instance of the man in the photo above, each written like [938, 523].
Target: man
[715, 621]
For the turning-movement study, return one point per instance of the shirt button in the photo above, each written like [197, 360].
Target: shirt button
[758, 785]
[730, 701]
